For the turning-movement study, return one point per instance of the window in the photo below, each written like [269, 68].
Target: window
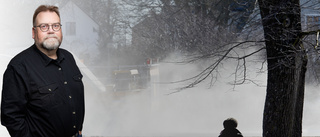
[313, 23]
[94, 29]
[70, 28]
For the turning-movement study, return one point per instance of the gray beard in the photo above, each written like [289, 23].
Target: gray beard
[51, 44]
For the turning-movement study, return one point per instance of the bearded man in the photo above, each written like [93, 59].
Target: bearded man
[43, 93]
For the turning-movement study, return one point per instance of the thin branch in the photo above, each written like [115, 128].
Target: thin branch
[208, 71]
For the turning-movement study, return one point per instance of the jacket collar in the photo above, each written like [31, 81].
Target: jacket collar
[46, 60]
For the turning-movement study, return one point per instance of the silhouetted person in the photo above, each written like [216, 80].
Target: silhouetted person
[230, 128]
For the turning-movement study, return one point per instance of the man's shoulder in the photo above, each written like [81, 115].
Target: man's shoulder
[65, 52]
[22, 56]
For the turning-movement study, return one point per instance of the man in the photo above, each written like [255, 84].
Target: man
[230, 128]
[43, 93]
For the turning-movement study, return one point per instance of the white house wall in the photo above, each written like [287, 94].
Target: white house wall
[85, 40]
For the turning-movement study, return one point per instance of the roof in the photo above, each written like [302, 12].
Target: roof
[79, 5]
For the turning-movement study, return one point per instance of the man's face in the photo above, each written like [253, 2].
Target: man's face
[49, 40]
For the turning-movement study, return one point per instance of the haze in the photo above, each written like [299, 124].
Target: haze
[154, 111]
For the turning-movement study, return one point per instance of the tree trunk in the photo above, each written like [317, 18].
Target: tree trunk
[286, 68]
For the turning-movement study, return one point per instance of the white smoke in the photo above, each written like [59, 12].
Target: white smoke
[197, 111]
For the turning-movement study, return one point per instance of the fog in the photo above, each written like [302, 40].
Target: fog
[157, 110]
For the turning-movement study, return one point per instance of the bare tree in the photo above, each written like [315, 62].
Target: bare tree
[181, 24]
[196, 27]
[287, 62]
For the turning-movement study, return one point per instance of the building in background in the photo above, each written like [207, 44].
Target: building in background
[310, 21]
[80, 32]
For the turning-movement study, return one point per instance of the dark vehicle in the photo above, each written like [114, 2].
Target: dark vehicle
[125, 80]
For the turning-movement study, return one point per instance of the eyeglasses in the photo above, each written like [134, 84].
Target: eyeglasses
[45, 27]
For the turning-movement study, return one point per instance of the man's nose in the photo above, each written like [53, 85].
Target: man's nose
[50, 29]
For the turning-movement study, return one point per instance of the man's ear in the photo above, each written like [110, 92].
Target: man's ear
[33, 32]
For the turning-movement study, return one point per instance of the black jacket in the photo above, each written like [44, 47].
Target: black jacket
[230, 133]
[42, 97]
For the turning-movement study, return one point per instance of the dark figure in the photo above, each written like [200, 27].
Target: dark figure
[230, 128]
[43, 93]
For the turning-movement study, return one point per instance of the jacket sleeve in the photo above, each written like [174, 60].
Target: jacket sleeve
[13, 103]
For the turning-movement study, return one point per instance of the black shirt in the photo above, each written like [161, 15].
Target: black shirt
[42, 97]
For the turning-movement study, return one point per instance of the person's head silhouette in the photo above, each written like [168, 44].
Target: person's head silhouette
[230, 123]
[230, 128]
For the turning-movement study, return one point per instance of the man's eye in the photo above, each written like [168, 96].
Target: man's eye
[43, 26]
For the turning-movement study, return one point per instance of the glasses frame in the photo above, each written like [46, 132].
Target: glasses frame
[49, 27]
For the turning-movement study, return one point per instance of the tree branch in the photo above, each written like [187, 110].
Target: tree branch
[209, 70]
